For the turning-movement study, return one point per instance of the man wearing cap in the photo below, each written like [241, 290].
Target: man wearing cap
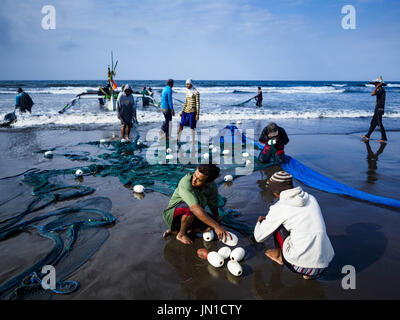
[167, 108]
[126, 110]
[191, 110]
[298, 228]
[380, 94]
[275, 139]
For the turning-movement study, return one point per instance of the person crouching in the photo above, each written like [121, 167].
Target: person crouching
[186, 213]
[298, 228]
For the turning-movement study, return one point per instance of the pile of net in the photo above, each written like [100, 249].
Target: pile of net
[77, 230]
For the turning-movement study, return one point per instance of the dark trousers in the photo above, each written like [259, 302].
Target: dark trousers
[377, 121]
[167, 120]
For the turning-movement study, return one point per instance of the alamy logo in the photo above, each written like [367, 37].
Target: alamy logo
[349, 280]
[49, 20]
[349, 20]
[49, 280]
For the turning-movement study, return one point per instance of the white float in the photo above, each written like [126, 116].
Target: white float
[225, 252]
[208, 236]
[138, 188]
[235, 268]
[48, 154]
[103, 140]
[245, 155]
[206, 156]
[169, 157]
[231, 242]
[211, 147]
[169, 150]
[248, 162]
[214, 150]
[226, 152]
[79, 173]
[237, 254]
[228, 178]
[215, 259]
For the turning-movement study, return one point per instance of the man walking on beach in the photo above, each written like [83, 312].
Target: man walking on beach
[191, 110]
[185, 213]
[298, 228]
[127, 113]
[167, 108]
[380, 94]
[275, 139]
[23, 101]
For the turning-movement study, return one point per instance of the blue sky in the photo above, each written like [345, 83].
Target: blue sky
[202, 39]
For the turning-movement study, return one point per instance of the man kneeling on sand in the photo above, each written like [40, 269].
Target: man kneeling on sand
[185, 213]
[296, 222]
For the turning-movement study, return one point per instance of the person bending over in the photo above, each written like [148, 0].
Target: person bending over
[275, 139]
[298, 228]
[186, 210]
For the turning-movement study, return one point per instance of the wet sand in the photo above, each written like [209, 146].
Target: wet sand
[137, 263]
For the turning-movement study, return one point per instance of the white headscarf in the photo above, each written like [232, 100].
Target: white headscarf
[190, 92]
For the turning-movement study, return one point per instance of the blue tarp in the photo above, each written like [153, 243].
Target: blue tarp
[316, 180]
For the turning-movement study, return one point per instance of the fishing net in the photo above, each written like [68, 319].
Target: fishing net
[77, 231]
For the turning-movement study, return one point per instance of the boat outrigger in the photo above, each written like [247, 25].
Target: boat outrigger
[107, 95]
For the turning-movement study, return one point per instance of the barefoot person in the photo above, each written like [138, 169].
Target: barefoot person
[298, 228]
[380, 94]
[191, 110]
[127, 113]
[185, 212]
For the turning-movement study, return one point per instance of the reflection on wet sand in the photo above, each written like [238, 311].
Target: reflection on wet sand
[372, 159]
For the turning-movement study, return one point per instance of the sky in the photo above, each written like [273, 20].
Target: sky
[200, 39]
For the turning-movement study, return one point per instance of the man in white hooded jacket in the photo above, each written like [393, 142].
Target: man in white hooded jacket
[296, 222]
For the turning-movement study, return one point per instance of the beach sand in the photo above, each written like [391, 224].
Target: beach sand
[136, 262]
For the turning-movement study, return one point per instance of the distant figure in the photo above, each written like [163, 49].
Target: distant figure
[259, 98]
[127, 114]
[167, 108]
[298, 228]
[380, 94]
[191, 110]
[23, 101]
[275, 139]
[146, 101]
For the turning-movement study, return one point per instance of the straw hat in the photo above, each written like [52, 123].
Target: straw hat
[379, 80]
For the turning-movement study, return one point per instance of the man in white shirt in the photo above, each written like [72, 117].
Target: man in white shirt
[296, 222]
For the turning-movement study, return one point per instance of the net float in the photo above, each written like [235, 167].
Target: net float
[208, 236]
[237, 254]
[225, 252]
[235, 268]
[215, 259]
[231, 242]
[202, 253]
[138, 188]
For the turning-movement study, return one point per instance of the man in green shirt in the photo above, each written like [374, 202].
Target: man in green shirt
[185, 212]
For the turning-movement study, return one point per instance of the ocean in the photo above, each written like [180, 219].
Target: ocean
[335, 105]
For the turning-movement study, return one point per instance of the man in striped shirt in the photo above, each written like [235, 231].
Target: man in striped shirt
[191, 110]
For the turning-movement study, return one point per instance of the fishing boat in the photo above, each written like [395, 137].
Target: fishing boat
[107, 95]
